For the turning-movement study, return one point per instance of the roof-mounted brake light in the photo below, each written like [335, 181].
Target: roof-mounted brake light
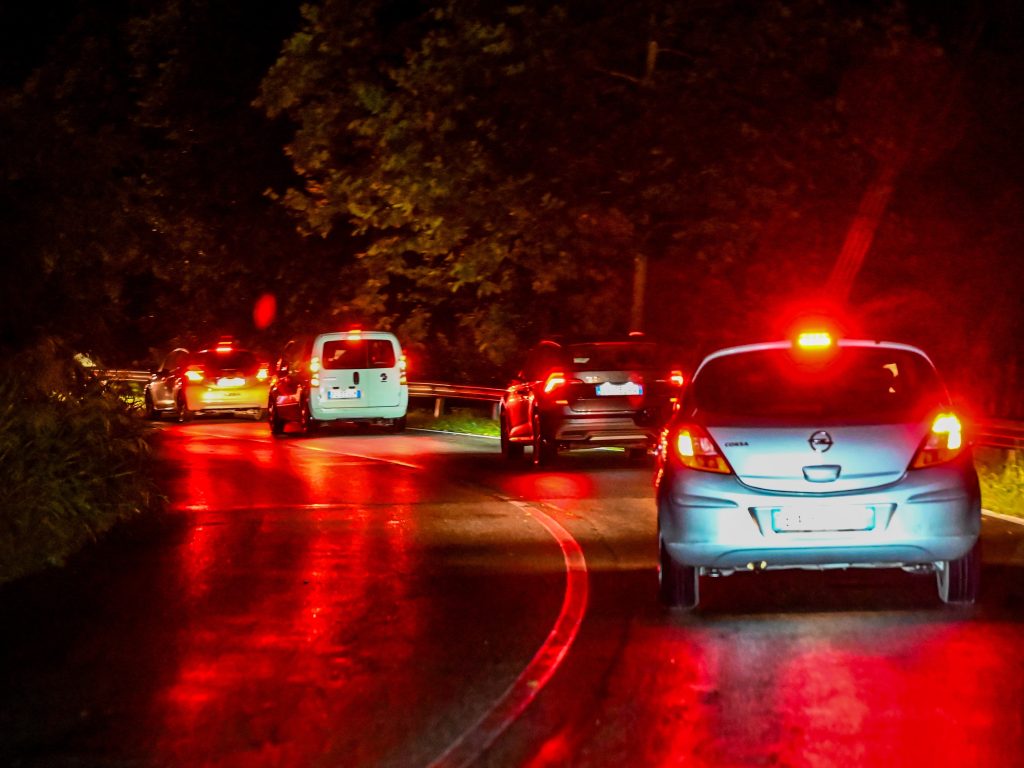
[814, 340]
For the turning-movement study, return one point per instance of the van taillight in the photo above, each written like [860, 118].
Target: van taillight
[944, 442]
[694, 448]
[403, 367]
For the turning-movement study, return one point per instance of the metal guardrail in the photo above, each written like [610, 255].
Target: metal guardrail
[1000, 433]
[993, 433]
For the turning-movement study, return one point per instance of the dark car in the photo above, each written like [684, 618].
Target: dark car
[586, 394]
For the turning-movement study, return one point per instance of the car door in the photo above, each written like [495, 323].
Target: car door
[164, 382]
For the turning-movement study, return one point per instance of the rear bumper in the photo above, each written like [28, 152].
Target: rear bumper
[570, 428]
[204, 399]
[359, 413]
[714, 521]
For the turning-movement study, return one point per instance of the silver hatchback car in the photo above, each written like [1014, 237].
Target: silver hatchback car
[816, 453]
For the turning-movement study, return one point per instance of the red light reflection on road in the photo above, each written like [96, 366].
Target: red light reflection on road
[870, 693]
[282, 598]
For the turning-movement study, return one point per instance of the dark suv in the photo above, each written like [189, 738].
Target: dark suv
[586, 394]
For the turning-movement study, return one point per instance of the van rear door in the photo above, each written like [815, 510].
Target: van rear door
[359, 371]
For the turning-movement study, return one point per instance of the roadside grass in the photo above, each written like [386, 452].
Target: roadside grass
[470, 420]
[74, 461]
[1001, 473]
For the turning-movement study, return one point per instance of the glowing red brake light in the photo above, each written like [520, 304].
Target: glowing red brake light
[814, 340]
[695, 448]
[554, 380]
[676, 378]
[263, 373]
[194, 374]
[944, 442]
[403, 369]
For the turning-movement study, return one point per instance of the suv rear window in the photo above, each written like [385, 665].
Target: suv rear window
[855, 384]
[613, 356]
[347, 354]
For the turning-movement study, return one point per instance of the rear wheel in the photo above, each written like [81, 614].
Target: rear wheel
[544, 450]
[677, 583]
[276, 422]
[511, 451]
[184, 413]
[307, 423]
[148, 410]
[959, 580]
[398, 425]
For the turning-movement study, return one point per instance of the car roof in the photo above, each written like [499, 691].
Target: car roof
[788, 344]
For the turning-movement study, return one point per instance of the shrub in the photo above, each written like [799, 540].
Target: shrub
[73, 460]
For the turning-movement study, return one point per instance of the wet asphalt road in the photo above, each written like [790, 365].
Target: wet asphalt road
[365, 599]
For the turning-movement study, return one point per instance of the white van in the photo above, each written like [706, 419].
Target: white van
[349, 376]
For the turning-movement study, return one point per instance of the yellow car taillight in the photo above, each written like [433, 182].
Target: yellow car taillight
[944, 442]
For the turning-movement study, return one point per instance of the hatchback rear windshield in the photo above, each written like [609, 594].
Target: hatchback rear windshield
[228, 360]
[346, 354]
[853, 384]
[614, 356]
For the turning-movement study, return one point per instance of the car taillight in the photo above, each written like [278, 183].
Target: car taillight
[403, 367]
[194, 374]
[676, 378]
[693, 446]
[558, 379]
[314, 365]
[263, 373]
[944, 442]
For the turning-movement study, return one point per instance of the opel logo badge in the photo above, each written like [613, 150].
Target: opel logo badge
[820, 441]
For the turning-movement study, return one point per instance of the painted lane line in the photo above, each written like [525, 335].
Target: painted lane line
[371, 459]
[397, 462]
[531, 681]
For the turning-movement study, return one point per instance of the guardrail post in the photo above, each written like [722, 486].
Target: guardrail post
[438, 407]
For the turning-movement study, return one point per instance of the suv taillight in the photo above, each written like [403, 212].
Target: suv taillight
[694, 448]
[944, 442]
[194, 374]
[558, 379]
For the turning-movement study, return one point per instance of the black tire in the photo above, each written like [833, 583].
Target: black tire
[260, 414]
[636, 454]
[677, 583]
[544, 450]
[275, 421]
[307, 424]
[398, 425]
[959, 581]
[184, 413]
[511, 451]
[147, 409]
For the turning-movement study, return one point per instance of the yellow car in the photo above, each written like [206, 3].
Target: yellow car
[223, 379]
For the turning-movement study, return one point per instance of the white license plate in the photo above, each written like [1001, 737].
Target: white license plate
[227, 381]
[344, 394]
[797, 520]
[629, 388]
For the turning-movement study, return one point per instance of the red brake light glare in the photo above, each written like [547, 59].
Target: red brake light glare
[696, 450]
[814, 340]
[403, 369]
[556, 379]
[676, 378]
[944, 442]
[262, 373]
